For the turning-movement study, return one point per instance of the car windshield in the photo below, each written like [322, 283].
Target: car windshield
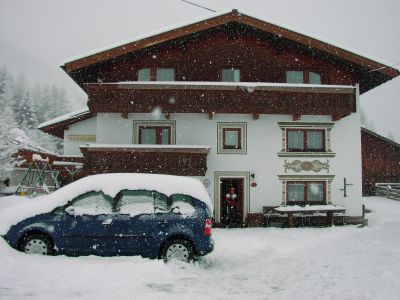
[141, 202]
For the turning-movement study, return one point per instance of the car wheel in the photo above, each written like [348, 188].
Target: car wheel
[36, 244]
[177, 250]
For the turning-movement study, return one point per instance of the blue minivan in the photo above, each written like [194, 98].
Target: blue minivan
[132, 222]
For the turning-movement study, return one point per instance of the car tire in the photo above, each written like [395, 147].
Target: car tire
[36, 244]
[177, 250]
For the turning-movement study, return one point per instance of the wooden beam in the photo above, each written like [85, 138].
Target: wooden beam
[167, 116]
[256, 116]
[296, 117]
[336, 117]
[210, 115]
[124, 115]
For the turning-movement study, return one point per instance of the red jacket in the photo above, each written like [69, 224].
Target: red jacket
[231, 199]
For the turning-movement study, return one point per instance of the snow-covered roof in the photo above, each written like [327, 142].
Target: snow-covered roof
[71, 115]
[144, 36]
[109, 184]
[383, 65]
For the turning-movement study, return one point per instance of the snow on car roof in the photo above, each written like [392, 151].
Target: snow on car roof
[109, 184]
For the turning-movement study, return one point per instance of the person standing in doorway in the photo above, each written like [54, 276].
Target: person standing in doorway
[231, 200]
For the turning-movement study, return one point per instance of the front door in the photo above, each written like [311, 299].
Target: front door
[226, 185]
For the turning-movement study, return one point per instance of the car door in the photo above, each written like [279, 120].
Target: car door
[136, 223]
[86, 224]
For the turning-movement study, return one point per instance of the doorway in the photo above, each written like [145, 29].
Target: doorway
[226, 184]
[223, 181]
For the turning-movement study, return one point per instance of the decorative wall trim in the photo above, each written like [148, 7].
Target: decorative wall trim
[243, 127]
[306, 154]
[138, 123]
[306, 125]
[327, 178]
[306, 177]
[84, 138]
[315, 166]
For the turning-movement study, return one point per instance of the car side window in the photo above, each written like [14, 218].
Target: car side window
[135, 202]
[92, 203]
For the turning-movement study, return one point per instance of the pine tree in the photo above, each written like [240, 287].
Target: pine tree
[27, 111]
[7, 123]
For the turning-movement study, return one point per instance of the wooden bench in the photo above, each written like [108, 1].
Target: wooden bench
[329, 210]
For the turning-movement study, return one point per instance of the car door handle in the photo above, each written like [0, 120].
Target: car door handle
[107, 222]
[163, 223]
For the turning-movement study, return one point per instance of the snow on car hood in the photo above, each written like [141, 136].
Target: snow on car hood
[109, 184]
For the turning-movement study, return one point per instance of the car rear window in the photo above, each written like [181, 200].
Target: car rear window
[184, 204]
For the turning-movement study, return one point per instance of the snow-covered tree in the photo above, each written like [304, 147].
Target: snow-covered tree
[7, 124]
[27, 111]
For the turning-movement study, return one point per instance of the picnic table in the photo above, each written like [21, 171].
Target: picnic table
[310, 209]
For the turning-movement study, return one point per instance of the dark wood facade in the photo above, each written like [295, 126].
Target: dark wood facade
[190, 161]
[263, 52]
[211, 98]
[380, 160]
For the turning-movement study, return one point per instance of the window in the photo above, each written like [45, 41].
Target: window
[306, 139]
[314, 78]
[232, 138]
[92, 203]
[144, 74]
[165, 74]
[294, 77]
[154, 135]
[231, 75]
[154, 132]
[299, 140]
[141, 202]
[305, 192]
[303, 77]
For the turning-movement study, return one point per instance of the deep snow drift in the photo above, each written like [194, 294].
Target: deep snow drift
[344, 262]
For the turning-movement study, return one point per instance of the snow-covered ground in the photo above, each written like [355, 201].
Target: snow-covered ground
[255, 263]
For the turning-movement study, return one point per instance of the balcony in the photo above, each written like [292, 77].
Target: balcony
[183, 160]
[223, 97]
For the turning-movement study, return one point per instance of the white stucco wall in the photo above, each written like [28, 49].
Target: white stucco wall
[82, 128]
[263, 143]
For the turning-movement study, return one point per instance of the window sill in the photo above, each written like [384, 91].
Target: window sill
[306, 154]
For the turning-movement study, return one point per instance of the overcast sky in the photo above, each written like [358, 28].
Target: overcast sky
[54, 30]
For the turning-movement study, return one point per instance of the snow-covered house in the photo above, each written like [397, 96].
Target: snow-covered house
[380, 160]
[232, 100]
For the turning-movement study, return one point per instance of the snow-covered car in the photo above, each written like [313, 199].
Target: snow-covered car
[156, 216]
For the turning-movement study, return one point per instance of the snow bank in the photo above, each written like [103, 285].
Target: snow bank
[109, 184]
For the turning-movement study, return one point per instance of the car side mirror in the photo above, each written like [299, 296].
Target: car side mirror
[70, 210]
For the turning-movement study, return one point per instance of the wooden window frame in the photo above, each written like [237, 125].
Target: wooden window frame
[305, 187]
[242, 128]
[237, 129]
[306, 75]
[305, 133]
[158, 133]
[153, 72]
[231, 68]
[136, 138]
